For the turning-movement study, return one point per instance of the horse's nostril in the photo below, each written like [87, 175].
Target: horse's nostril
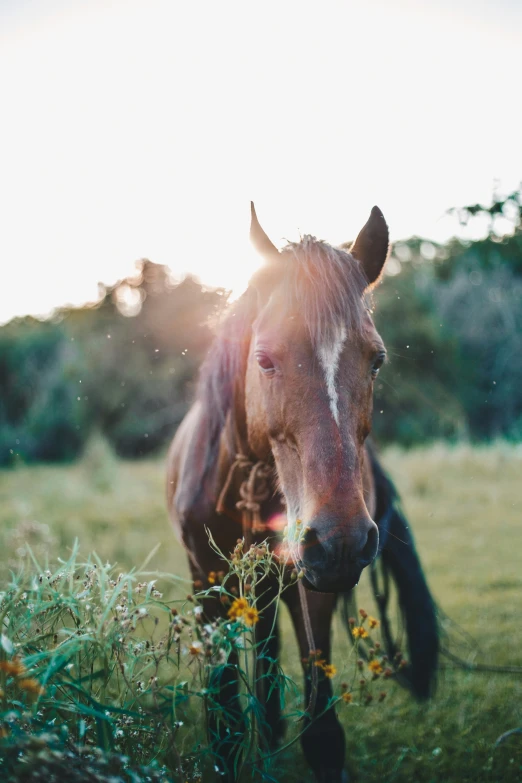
[309, 538]
[309, 545]
[369, 550]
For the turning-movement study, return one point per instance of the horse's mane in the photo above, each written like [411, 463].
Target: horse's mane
[325, 283]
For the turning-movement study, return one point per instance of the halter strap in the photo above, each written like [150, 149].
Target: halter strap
[254, 490]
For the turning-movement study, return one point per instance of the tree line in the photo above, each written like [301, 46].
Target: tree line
[450, 315]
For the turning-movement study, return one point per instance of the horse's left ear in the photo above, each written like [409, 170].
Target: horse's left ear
[371, 246]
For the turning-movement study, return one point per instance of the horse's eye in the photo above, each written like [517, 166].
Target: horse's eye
[377, 363]
[265, 362]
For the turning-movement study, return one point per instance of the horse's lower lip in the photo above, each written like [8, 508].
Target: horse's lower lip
[331, 585]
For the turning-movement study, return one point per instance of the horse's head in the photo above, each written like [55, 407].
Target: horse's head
[314, 355]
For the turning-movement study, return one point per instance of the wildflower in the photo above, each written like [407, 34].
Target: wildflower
[330, 670]
[195, 649]
[238, 608]
[31, 685]
[352, 621]
[251, 616]
[382, 695]
[363, 614]
[14, 667]
[373, 622]
[375, 667]
[211, 578]
[344, 687]
[359, 632]
[198, 584]
[347, 698]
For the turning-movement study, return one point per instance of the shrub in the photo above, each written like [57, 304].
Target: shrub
[41, 415]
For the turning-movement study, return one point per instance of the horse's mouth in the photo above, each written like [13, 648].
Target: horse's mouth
[329, 585]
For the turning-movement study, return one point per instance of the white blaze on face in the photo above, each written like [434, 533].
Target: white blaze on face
[329, 355]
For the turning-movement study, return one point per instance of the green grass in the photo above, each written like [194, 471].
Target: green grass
[465, 507]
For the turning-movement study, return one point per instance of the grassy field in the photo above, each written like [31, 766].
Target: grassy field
[465, 507]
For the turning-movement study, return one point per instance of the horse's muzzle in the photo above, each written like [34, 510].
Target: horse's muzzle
[333, 557]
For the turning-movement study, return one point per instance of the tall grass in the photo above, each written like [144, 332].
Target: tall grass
[465, 506]
[97, 658]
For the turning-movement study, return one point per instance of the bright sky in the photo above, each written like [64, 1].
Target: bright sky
[143, 129]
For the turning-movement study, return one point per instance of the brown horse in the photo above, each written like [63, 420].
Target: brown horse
[288, 386]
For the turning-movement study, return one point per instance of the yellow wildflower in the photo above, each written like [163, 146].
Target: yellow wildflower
[251, 616]
[375, 667]
[347, 697]
[359, 632]
[14, 667]
[330, 670]
[238, 608]
[31, 685]
[211, 578]
[373, 622]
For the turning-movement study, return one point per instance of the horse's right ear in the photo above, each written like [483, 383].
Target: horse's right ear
[371, 246]
[265, 278]
[264, 246]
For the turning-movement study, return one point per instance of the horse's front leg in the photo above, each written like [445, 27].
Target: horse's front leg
[225, 723]
[323, 740]
[268, 688]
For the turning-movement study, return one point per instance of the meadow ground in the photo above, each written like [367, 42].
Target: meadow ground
[465, 507]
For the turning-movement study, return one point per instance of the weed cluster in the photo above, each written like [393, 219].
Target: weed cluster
[98, 669]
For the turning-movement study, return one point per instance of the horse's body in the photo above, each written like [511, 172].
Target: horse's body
[288, 384]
